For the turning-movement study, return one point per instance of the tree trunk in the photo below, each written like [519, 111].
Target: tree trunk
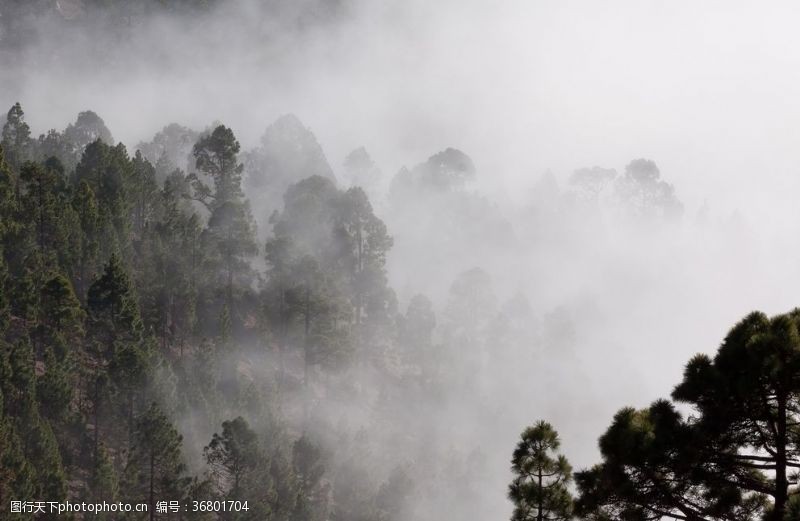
[540, 514]
[781, 482]
[152, 508]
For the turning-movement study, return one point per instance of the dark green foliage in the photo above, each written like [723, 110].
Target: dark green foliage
[103, 483]
[234, 457]
[134, 311]
[653, 468]
[155, 469]
[109, 173]
[733, 459]
[239, 469]
[216, 156]
[539, 490]
[113, 310]
[229, 238]
[55, 387]
[16, 139]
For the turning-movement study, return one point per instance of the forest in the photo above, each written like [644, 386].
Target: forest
[212, 310]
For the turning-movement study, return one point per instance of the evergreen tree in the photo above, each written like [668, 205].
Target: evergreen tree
[88, 128]
[230, 235]
[113, 310]
[734, 458]
[746, 399]
[85, 207]
[109, 172]
[654, 468]
[312, 493]
[42, 187]
[143, 192]
[234, 457]
[155, 469]
[16, 139]
[539, 490]
[103, 484]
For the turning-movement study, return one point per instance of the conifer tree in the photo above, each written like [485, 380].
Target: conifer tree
[539, 490]
[230, 234]
[155, 469]
[84, 205]
[103, 484]
[16, 137]
[234, 457]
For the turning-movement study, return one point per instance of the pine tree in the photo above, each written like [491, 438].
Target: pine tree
[234, 458]
[109, 172]
[42, 187]
[88, 128]
[155, 469]
[143, 191]
[539, 490]
[85, 207]
[60, 309]
[103, 482]
[230, 234]
[16, 138]
[312, 493]
[113, 310]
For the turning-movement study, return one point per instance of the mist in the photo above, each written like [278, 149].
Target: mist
[581, 303]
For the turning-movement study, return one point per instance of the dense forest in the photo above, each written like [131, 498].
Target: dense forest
[158, 346]
[211, 310]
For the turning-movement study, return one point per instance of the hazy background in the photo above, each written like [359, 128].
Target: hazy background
[706, 90]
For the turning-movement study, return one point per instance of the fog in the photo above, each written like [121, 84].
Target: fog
[531, 91]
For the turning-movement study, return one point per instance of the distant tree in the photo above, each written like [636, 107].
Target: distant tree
[103, 484]
[240, 470]
[415, 333]
[644, 195]
[54, 144]
[42, 188]
[109, 173]
[230, 234]
[54, 388]
[170, 149]
[61, 312]
[88, 128]
[288, 153]
[471, 305]
[216, 156]
[234, 457]
[17, 479]
[589, 183]
[312, 494]
[447, 170]
[363, 243]
[84, 204]
[539, 490]
[16, 138]
[144, 191]
[116, 346]
[155, 469]
[360, 170]
[113, 308]
[8, 189]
